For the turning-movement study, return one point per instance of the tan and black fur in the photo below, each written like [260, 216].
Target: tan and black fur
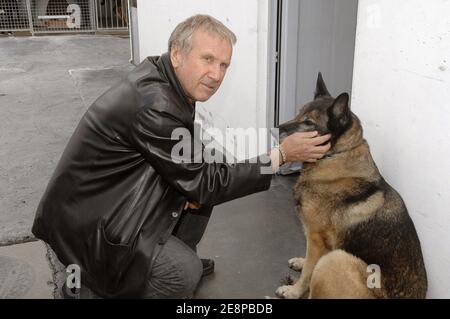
[352, 217]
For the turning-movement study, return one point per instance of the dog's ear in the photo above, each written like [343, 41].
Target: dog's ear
[321, 88]
[339, 112]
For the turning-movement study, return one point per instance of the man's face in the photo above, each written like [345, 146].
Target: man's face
[202, 70]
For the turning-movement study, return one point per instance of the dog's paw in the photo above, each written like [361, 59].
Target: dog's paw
[287, 292]
[271, 297]
[296, 263]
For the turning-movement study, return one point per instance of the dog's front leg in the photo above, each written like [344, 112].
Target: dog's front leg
[315, 248]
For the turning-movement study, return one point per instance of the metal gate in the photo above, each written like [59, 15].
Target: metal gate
[59, 16]
[14, 15]
[112, 14]
[63, 16]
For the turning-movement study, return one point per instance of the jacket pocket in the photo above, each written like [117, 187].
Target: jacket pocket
[110, 261]
[124, 225]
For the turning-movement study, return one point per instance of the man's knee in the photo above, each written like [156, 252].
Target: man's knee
[192, 274]
[176, 271]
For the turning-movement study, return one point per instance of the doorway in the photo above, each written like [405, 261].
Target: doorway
[309, 36]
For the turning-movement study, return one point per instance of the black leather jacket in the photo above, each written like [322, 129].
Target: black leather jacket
[116, 193]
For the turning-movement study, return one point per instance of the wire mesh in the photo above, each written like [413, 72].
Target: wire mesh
[112, 14]
[59, 16]
[62, 15]
[14, 15]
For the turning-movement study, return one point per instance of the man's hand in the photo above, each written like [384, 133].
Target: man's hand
[191, 205]
[304, 147]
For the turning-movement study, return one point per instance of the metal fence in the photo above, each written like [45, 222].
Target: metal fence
[14, 15]
[62, 16]
[112, 14]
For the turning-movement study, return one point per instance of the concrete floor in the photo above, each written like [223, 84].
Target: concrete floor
[25, 272]
[46, 84]
[251, 240]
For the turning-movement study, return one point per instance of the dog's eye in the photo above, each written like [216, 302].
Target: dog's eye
[308, 122]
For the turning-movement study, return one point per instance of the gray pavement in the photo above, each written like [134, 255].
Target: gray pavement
[25, 273]
[46, 84]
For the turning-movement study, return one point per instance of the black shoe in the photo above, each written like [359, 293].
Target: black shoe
[208, 267]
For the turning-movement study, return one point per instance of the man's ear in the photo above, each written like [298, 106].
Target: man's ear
[175, 57]
[340, 110]
[321, 88]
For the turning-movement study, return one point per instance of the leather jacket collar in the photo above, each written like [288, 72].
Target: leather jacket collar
[168, 71]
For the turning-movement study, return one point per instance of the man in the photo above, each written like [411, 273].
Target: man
[119, 205]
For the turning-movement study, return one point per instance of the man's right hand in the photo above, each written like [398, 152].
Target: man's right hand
[305, 147]
[190, 205]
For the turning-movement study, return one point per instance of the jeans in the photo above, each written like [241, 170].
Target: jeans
[177, 269]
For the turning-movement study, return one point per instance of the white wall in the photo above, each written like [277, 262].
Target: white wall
[401, 91]
[241, 101]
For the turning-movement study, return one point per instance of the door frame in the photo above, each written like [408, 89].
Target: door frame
[282, 55]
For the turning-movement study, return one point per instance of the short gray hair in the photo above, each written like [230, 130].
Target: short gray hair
[181, 37]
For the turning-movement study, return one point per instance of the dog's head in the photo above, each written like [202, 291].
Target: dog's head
[327, 115]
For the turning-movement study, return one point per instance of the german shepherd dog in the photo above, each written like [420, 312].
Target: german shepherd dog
[353, 220]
